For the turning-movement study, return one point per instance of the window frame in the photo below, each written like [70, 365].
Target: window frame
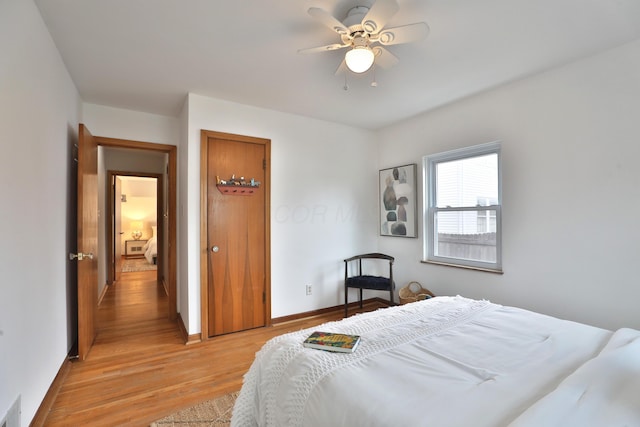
[430, 208]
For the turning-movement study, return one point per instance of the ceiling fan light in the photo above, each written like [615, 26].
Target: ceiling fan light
[359, 59]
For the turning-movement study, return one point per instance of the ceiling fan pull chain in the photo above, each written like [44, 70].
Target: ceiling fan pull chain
[374, 83]
[346, 86]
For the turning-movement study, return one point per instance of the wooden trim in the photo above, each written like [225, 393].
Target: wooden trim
[109, 204]
[172, 252]
[160, 238]
[172, 215]
[138, 145]
[164, 285]
[194, 339]
[40, 417]
[110, 212]
[267, 237]
[204, 249]
[323, 311]
[105, 288]
[188, 339]
[204, 246]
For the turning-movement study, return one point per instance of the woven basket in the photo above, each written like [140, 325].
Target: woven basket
[414, 292]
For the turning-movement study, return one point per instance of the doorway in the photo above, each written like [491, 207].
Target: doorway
[235, 233]
[164, 229]
[88, 229]
[135, 201]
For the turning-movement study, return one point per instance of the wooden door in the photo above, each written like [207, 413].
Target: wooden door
[117, 228]
[237, 233]
[87, 240]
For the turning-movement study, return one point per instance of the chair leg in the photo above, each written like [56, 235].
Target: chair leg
[391, 297]
[346, 301]
[361, 298]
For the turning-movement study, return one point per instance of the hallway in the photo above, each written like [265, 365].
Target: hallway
[133, 315]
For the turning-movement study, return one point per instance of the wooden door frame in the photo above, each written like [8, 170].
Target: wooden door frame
[172, 152]
[159, 220]
[114, 273]
[204, 223]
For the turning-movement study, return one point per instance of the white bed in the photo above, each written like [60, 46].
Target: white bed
[448, 361]
[150, 248]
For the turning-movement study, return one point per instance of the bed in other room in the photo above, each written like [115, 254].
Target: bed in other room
[150, 248]
[448, 361]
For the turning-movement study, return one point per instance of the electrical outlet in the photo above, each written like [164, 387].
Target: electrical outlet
[309, 289]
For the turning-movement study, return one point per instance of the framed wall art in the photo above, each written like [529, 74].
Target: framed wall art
[398, 201]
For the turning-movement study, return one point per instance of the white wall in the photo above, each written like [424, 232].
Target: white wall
[39, 115]
[570, 189]
[128, 124]
[132, 125]
[323, 200]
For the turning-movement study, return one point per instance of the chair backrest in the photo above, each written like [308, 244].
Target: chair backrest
[374, 255]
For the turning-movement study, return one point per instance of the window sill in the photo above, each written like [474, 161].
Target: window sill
[466, 267]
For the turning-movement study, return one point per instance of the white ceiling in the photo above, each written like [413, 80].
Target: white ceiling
[146, 55]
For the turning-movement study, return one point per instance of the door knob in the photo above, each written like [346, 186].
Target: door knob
[80, 256]
[215, 249]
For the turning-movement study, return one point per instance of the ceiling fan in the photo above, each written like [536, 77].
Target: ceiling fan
[362, 31]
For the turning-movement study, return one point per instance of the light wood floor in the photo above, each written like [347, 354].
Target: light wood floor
[139, 369]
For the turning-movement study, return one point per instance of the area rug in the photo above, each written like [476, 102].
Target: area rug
[212, 413]
[137, 264]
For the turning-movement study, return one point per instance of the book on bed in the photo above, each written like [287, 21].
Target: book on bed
[330, 341]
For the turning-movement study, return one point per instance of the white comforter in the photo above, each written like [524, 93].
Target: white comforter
[150, 249]
[446, 361]
[605, 391]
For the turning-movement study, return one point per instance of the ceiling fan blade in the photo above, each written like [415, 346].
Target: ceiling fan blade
[326, 48]
[342, 68]
[379, 14]
[404, 34]
[384, 58]
[329, 20]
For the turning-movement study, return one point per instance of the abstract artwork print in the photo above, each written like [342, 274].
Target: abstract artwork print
[398, 210]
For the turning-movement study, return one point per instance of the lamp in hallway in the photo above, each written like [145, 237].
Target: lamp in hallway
[136, 229]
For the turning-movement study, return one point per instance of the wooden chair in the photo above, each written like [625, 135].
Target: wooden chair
[355, 277]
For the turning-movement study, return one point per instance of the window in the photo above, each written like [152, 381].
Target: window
[463, 207]
[487, 219]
